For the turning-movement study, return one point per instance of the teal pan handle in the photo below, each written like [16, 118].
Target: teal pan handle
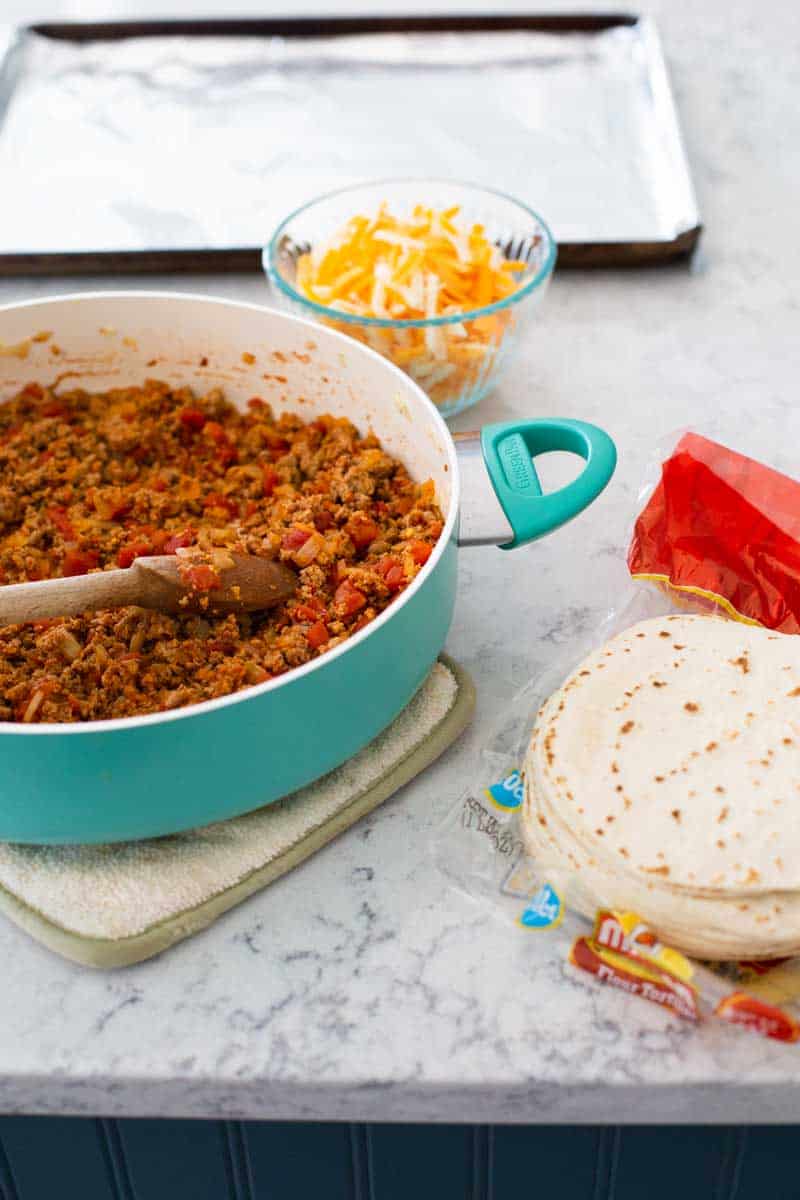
[509, 450]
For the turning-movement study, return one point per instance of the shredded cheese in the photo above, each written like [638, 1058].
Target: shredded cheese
[415, 269]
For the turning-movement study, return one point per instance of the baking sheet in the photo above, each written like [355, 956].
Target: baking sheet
[192, 146]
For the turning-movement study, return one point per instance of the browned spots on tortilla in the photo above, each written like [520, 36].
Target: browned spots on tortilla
[676, 813]
[788, 742]
[742, 662]
[580, 810]
[610, 818]
[720, 789]
[585, 672]
[627, 727]
[743, 907]
[615, 768]
[623, 852]
[599, 832]
[640, 635]
[618, 788]
[752, 876]
[764, 762]
[663, 633]
[720, 843]
[779, 863]
[659, 683]
[600, 666]
[279, 356]
[691, 707]
[659, 778]
[627, 802]
[723, 814]
[794, 692]
[542, 819]
[656, 870]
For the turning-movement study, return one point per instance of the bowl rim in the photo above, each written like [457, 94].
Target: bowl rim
[229, 700]
[270, 251]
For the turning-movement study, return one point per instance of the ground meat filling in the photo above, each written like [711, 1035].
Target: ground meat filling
[92, 481]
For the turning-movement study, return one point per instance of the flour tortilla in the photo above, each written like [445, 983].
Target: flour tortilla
[672, 756]
[756, 927]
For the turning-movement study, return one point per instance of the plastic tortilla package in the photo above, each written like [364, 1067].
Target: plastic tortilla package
[643, 802]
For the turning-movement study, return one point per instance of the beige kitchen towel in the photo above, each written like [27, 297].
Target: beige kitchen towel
[111, 906]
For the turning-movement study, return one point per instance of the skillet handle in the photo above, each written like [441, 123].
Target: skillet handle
[508, 450]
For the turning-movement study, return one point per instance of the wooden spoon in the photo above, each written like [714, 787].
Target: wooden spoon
[249, 585]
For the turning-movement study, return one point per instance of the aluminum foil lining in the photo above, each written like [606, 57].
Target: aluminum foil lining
[208, 141]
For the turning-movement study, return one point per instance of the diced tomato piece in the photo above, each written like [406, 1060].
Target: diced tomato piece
[45, 456]
[54, 408]
[277, 446]
[295, 538]
[324, 520]
[380, 508]
[226, 454]
[420, 552]
[159, 485]
[403, 505]
[348, 599]
[58, 515]
[362, 530]
[217, 500]
[214, 430]
[255, 402]
[128, 554]
[250, 508]
[34, 390]
[392, 572]
[176, 541]
[202, 577]
[318, 634]
[269, 480]
[79, 562]
[192, 418]
[304, 612]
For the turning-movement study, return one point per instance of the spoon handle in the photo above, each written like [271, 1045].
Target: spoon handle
[21, 602]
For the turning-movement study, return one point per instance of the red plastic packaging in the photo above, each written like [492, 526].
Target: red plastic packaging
[722, 527]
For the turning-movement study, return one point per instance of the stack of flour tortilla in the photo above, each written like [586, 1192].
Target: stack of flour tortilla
[663, 778]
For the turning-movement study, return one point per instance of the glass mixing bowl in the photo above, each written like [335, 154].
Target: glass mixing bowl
[457, 358]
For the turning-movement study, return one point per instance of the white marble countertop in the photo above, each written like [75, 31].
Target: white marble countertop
[360, 987]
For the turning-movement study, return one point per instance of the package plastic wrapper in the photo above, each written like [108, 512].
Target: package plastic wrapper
[716, 532]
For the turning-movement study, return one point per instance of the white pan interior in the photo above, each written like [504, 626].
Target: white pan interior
[113, 339]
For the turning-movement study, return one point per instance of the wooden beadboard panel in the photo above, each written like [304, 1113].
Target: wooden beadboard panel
[292, 1160]
[564, 1162]
[53, 1157]
[692, 1160]
[182, 1160]
[426, 1162]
